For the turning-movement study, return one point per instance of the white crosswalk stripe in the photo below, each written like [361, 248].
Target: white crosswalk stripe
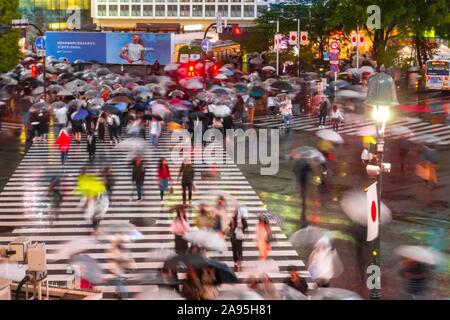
[25, 210]
[10, 126]
[420, 128]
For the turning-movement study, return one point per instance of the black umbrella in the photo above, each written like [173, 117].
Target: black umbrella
[196, 261]
[219, 91]
[55, 88]
[103, 72]
[257, 91]
[223, 273]
[282, 86]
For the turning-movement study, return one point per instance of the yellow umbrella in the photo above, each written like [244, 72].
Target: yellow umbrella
[369, 139]
[174, 126]
[90, 185]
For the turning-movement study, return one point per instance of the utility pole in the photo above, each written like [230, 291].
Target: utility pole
[278, 49]
[298, 44]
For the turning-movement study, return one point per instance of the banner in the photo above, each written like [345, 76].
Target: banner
[373, 219]
[110, 47]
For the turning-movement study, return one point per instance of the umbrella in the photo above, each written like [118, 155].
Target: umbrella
[91, 93]
[282, 86]
[239, 294]
[58, 105]
[139, 106]
[350, 94]
[369, 140]
[75, 104]
[110, 109]
[227, 73]
[422, 254]
[241, 88]
[90, 185]
[334, 294]
[221, 76]
[366, 69]
[221, 111]
[40, 106]
[38, 90]
[223, 273]
[75, 86]
[367, 131]
[289, 293]
[196, 261]
[120, 99]
[176, 93]
[207, 97]
[89, 267]
[125, 229]
[268, 69]
[307, 152]
[307, 236]
[55, 88]
[330, 135]
[219, 90]
[64, 93]
[160, 294]
[206, 239]
[354, 205]
[257, 91]
[76, 246]
[191, 84]
[131, 144]
[161, 254]
[171, 67]
[103, 72]
[159, 109]
[256, 60]
[80, 115]
[121, 106]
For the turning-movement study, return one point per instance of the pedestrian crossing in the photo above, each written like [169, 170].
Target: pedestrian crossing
[25, 210]
[7, 127]
[438, 133]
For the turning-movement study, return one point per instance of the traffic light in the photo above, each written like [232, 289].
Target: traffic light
[215, 69]
[236, 30]
[191, 70]
[34, 71]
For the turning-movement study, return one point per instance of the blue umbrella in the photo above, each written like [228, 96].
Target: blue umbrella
[80, 115]
[140, 106]
[121, 106]
[228, 73]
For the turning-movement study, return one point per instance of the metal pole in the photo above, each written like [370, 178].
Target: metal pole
[207, 29]
[44, 62]
[298, 44]
[278, 49]
[357, 47]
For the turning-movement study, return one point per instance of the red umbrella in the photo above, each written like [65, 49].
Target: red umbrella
[63, 141]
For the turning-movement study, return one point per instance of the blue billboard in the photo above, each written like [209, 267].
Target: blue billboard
[110, 47]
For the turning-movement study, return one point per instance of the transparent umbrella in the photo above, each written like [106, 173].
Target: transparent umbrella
[125, 229]
[330, 135]
[422, 254]
[206, 239]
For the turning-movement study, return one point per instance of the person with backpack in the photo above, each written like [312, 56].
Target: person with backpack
[238, 228]
[138, 175]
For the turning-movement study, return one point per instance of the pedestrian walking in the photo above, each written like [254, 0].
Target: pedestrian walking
[415, 276]
[101, 127]
[204, 220]
[91, 146]
[336, 117]
[61, 118]
[323, 110]
[272, 104]
[251, 107]
[179, 227]
[403, 150]
[302, 170]
[77, 126]
[264, 237]
[155, 131]
[113, 121]
[138, 175]
[164, 178]
[108, 179]
[63, 142]
[220, 216]
[35, 121]
[238, 228]
[54, 190]
[121, 262]
[187, 181]
[295, 281]
[286, 112]
[239, 108]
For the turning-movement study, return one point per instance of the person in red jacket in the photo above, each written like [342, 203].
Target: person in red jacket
[163, 178]
[63, 142]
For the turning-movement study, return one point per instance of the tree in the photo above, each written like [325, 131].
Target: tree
[9, 48]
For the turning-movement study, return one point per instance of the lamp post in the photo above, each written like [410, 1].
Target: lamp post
[381, 96]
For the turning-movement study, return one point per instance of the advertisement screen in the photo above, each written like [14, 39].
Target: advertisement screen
[109, 47]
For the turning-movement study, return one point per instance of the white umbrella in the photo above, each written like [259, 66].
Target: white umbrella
[350, 94]
[171, 67]
[192, 84]
[64, 93]
[258, 267]
[370, 131]
[330, 135]
[307, 152]
[221, 76]
[366, 69]
[221, 111]
[160, 294]
[307, 236]
[354, 205]
[131, 144]
[421, 254]
[125, 229]
[207, 239]
[268, 69]
[159, 110]
[334, 294]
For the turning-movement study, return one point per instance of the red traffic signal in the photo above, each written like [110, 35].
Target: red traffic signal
[236, 30]
[34, 71]
[191, 70]
[215, 69]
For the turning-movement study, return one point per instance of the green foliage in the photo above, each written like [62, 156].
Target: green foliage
[9, 48]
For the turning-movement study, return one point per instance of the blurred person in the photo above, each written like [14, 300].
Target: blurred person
[63, 142]
[77, 126]
[204, 220]
[91, 146]
[286, 112]
[264, 237]
[187, 173]
[113, 121]
[303, 171]
[416, 277]
[426, 168]
[108, 179]
[267, 289]
[138, 175]
[220, 215]
[61, 118]
[239, 108]
[101, 127]
[323, 111]
[251, 107]
[35, 121]
[121, 262]
[179, 227]
[271, 104]
[295, 281]
[164, 178]
[155, 131]
[101, 207]
[208, 280]
[238, 228]
[403, 150]
[54, 190]
[336, 117]
[191, 287]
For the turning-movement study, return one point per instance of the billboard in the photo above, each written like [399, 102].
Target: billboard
[110, 47]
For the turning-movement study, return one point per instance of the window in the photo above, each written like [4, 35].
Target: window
[170, 1]
[160, 10]
[236, 1]
[124, 10]
[236, 11]
[172, 11]
[260, 10]
[197, 11]
[185, 11]
[112, 1]
[249, 11]
[222, 0]
[135, 1]
[249, 0]
[184, 0]
[210, 11]
[197, 1]
[223, 9]
[101, 10]
[147, 1]
[210, 0]
[136, 11]
[113, 10]
[148, 10]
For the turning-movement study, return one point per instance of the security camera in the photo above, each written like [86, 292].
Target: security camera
[373, 170]
[386, 167]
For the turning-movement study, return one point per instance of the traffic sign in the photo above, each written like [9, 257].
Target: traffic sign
[334, 68]
[20, 23]
[41, 53]
[219, 25]
[206, 45]
[40, 43]
[334, 62]
[326, 56]
[334, 45]
[334, 57]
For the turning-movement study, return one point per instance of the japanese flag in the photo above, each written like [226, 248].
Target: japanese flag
[277, 42]
[373, 218]
[293, 37]
[360, 40]
[303, 38]
[354, 39]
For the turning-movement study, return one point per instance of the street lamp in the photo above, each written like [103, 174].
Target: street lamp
[381, 96]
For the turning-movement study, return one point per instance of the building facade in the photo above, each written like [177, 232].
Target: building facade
[127, 13]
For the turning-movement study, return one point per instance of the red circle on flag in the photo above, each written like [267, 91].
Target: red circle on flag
[361, 39]
[293, 38]
[303, 38]
[354, 39]
[373, 211]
